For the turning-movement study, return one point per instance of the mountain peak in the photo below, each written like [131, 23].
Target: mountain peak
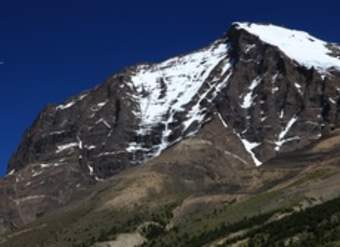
[254, 88]
[300, 46]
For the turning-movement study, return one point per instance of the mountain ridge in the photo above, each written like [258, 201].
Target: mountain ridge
[235, 25]
[268, 103]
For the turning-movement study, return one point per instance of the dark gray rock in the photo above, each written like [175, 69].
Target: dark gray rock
[119, 124]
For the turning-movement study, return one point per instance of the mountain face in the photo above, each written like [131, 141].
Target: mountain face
[273, 89]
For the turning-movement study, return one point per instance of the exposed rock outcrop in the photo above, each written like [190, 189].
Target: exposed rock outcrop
[270, 94]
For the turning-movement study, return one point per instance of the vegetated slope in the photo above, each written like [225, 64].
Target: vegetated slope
[191, 197]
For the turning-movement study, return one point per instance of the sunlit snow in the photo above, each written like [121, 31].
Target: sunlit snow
[283, 134]
[66, 106]
[164, 89]
[181, 78]
[300, 46]
[249, 97]
[64, 147]
[249, 146]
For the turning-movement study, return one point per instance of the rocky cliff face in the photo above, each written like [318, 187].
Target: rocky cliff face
[275, 90]
[281, 96]
[131, 118]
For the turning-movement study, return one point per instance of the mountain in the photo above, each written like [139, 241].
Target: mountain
[254, 112]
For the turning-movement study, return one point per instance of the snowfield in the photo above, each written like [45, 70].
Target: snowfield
[300, 46]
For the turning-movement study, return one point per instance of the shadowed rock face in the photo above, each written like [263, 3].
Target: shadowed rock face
[268, 100]
[132, 117]
[274, 102]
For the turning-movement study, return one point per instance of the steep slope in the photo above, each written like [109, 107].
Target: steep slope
[132, 117]
[276, 103]
[173, 97]
[273, 90]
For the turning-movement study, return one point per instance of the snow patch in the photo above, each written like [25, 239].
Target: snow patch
[48, 165]
[102, 104]
[249, 146]
[11, 172]
[298, 87]
[80, 143]
[282, 114]
[333, 101]
[249, 97]
[99, 106]
[280, 143]
[81, 97]
[284, 133]
[64, 147]
[249, 48]
[275, 89]
[300, 46]
[66, 106]
[274, 78]
[57, 132]
[103, 121]
[91, 170]
[36, 173]
[222, 120]
[288, 127]
[90, 147]
[71, 103]
[110, 153]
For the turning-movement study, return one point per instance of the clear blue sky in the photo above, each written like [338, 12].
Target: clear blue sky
[54, 49]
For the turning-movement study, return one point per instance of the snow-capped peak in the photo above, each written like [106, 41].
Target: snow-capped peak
[299, 46]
